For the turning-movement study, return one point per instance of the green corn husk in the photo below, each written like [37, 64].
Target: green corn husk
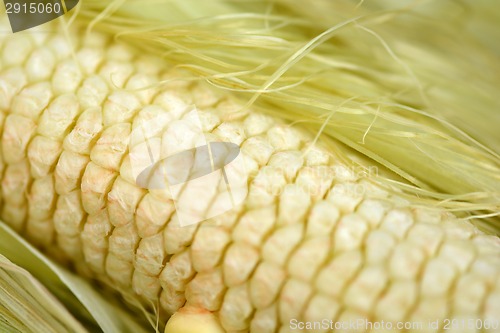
[38, 297]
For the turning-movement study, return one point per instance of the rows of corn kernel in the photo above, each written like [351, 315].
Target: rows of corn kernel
[312, 240]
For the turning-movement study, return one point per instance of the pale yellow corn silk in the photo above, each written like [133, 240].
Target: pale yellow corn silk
[409, 85]
[319, 236]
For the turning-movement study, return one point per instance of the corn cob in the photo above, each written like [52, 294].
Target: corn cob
[312, 241]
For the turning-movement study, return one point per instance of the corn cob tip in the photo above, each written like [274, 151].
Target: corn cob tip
[193, 320]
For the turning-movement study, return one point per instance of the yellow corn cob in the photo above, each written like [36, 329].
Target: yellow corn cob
[312, 241]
